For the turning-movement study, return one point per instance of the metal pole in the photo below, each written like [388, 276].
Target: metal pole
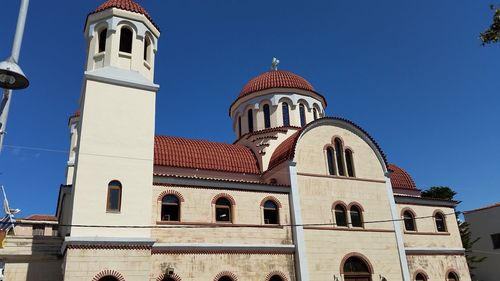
[16, 49]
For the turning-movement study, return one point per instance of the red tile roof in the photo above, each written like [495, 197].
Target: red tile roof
[205, 155]
[127, 5]
[484, 208]
[276, 79]
[41, 218]
[400, 178]
[285, 151]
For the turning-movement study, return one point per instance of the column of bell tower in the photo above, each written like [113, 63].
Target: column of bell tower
[113, 170]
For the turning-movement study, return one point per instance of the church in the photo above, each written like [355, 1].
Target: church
[297, 196]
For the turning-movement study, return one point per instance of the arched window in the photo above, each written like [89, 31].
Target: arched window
[356, 267]
[276, 278]
[349, 163]
[315, 113]
[340, 157]
[108, 278]
[267, 116]
[271, 213]
[340, 215]
[356, 217]
[440, 222]
[168, 279]
[223, 210]
[170, 208]
[225, 278]
[302, 111]
[330, 158]
[286, 114]
[239, 126]
[250, 120]
[409, 221]
[420, 277]
[102, 40]
[126, 40]
[114, 196]
[452, 276]
[147, 49]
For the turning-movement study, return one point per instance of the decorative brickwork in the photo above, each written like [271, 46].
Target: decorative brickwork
[170, 192]
[227, 274]
[274, 273]
[272, 198]
[173, 276]
[225, 195]
[109, 272]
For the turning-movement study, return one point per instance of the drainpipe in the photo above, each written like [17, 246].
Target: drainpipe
[301, 269]
[397, 228]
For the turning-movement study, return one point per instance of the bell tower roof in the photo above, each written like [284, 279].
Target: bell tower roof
[127, 5]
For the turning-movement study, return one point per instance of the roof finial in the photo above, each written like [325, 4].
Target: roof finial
[274, 65]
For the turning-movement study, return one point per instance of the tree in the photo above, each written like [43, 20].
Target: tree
[439, 192]
[446, 193]
[492, 34]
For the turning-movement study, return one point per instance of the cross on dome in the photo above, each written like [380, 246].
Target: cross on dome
[274, 64]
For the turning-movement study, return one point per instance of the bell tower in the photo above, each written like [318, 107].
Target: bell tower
[113, 170]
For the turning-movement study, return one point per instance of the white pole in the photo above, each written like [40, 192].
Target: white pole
[16, 49]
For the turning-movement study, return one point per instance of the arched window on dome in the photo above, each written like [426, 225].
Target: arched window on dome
[271, 212]
[340, 215]
[286, 114]
[250, 120]
[126, 40]
[239, 126]
[340, 156]
[170, 208]
[420, 277]
[302, 111]
[114, 200]
[349, 163]
[356, 217]
[330, 159]
[452, 276]
[267, 116]
[147, 49]
[440, 222]
[409, 221]
[315, 113]
[102, 40]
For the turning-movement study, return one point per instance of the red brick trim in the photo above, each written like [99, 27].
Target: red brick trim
[279, 273]
[110, 247]
[338, 202]
[357, 205]
[190, 186]
[219, 252]
[170, 192]
[272, 198]
[450, 270]
[357, 255]
[109, 272]
[343, 228]
[225, 195]
[226, 273]
[420, 272]
[173, 276]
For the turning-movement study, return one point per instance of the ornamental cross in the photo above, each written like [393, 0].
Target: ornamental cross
[274, 65]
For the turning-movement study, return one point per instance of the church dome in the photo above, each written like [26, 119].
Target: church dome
[127, 5]
[400, 179]
[276, 79]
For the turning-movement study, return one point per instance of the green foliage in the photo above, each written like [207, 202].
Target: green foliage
[439, 192]
[492, 34]
[468, 242]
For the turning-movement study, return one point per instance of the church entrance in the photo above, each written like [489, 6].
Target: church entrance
[355, 269]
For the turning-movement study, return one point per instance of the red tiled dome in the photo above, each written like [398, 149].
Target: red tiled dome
[276, 79]
[127, 5]
[400, 178]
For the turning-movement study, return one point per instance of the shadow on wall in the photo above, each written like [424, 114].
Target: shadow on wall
[45, 263]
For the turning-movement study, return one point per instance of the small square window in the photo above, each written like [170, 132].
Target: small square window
[495, 238]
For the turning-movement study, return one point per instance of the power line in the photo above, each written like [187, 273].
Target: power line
[215, 225]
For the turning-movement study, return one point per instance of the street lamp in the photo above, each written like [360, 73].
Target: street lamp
[11, 75]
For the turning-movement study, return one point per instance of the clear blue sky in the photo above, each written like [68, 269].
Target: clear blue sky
[412, 73]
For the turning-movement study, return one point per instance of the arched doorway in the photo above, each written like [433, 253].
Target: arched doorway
[355, 269]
